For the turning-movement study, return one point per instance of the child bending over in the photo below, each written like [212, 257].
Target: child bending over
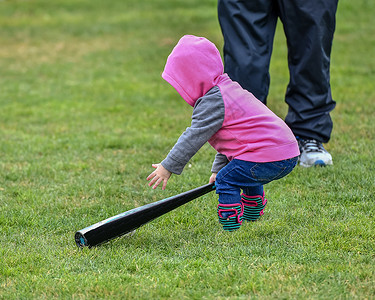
[254, 146]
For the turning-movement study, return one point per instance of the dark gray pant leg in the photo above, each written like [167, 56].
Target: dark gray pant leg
[248, 29]
[309, 27]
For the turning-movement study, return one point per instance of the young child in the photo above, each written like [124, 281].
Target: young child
[253, 145]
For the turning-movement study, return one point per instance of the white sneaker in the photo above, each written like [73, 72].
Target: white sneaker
[313, 153]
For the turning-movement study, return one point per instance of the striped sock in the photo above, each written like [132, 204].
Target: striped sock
[253, 206]
[230, 216]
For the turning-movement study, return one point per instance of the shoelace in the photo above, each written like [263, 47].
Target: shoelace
[311, 146]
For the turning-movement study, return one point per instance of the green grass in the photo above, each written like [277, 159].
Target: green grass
[83, 115]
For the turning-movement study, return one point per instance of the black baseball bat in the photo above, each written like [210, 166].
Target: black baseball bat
[132, 219]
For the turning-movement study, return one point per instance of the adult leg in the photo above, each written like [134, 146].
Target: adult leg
[309, 27]
[248, 29]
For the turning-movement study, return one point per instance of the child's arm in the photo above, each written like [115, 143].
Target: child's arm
[160, 175]
[207, 119]
[220, 162]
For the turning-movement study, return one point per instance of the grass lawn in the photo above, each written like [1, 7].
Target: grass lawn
[83, 115]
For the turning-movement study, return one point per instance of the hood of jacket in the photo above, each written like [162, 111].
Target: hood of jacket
[193, 67]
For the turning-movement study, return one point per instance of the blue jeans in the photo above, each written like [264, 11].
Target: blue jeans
[250, 177]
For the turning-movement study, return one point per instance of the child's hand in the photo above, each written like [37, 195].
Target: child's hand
[213, 178]
[161, 174]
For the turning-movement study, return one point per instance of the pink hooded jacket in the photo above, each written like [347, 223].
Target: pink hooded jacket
[230, 118]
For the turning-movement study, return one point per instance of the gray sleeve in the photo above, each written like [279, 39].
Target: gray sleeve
[220, 162]
[207, 119]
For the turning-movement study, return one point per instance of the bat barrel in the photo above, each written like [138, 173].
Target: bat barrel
[130, 220]
[80, 239]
